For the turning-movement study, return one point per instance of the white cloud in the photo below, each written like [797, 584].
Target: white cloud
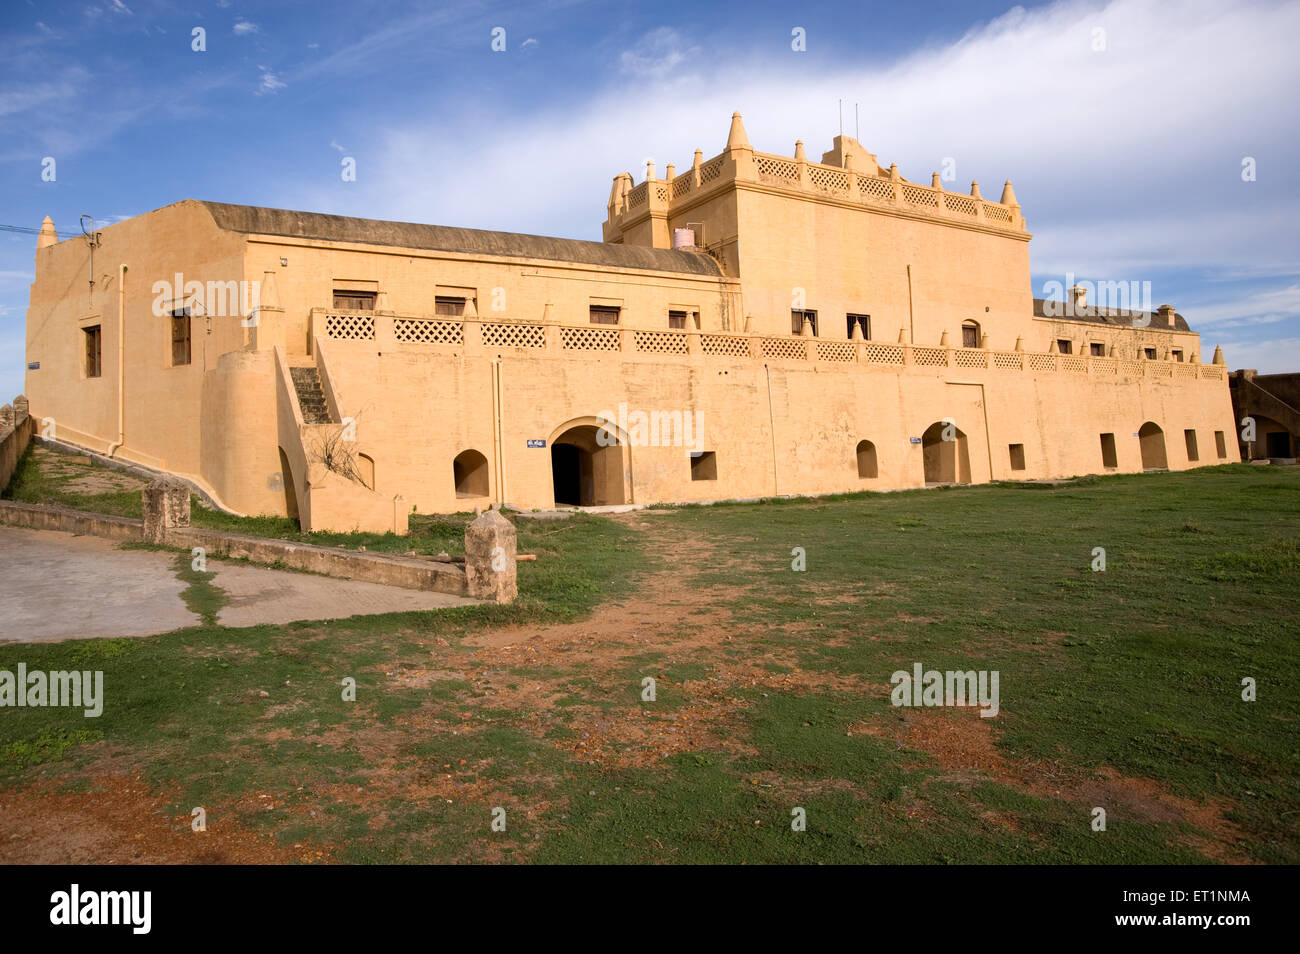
[244, 28]
[529, 44]
[1125, 161]
[120, 7]
[270, 82]
[1279, 356]
[657, 53]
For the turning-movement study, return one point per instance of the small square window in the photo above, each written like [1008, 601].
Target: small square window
[1017, 456]
[1176, 354]
[346, 300]
[1064, 345]
[676, 319]
[93, 351]
[449, 306]
[604, 315]
[1150, 353]
[704, 466]
[1097, 349]
[862, 321]
[970, 335]
[797, 317]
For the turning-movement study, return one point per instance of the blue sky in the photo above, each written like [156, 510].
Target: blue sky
[1127, 159]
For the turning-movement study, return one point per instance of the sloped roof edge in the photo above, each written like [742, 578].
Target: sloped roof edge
[255, 220]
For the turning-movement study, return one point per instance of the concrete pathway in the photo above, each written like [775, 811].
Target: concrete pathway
[261, 595]
[56, 586]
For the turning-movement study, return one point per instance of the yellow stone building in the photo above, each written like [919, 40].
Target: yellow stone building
[754, 325]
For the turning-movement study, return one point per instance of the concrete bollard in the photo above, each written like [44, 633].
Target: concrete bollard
[166, 506]
[490, 564]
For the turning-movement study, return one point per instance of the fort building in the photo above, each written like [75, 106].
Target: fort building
[751, 325]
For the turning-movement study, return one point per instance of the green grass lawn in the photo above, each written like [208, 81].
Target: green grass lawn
[772, 689]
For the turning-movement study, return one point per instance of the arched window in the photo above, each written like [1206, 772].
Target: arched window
[470, 471]
[366, 470]
[867, 459]
[970, 334]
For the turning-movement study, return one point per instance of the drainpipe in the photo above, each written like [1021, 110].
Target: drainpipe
[121, 353]
[501, 459]
[771, 429]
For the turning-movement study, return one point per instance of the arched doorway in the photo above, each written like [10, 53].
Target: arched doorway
[1152, 441]
[946, 461]
[866, 454]
[585, 471]
[469, 471]
[289, 487]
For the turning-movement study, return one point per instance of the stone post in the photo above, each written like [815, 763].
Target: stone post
[166, 506]
[490, 563]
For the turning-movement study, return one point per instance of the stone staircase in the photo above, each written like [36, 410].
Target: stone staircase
[311, 396]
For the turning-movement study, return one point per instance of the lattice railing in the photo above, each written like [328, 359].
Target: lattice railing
[778, 168]
[788, 348]
[497, 334]
[661, 342]
[876, 190]
[959, 203]
[831, 179]
[919, 195]
[361, 326]
[725, 346]
[870, 189]
[836, 351]
[590, 339]
[350, 327]
[882, 353]
[930, 357]
[421, 331]
[997, 213]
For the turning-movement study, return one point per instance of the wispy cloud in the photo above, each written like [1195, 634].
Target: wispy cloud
[658, 53]
[245, 28]
[270, 83]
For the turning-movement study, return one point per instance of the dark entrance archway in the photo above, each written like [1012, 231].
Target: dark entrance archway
[584, 471]
[946, 461]
[1152, 441]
